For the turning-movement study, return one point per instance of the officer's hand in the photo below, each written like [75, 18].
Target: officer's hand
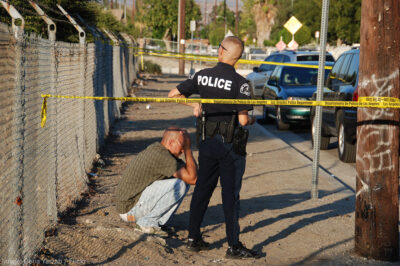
[197, 110]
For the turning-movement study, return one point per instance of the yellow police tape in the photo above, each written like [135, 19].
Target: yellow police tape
[371, 102]
[192, 57]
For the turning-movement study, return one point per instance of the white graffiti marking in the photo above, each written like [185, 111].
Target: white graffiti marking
[378, 158]
[364, 188]
[375, 81]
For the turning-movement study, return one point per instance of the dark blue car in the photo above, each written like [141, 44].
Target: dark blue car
[341, 122]
[291, 83]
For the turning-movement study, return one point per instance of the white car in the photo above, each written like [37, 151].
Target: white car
[260, 75]
[257, 54]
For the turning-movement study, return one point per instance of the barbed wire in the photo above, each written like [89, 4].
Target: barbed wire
[36, 14]
[45, 7]
[49, 8]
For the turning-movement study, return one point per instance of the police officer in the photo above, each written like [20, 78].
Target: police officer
[217, 157]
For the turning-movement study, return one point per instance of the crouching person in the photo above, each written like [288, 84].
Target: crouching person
[155, 182]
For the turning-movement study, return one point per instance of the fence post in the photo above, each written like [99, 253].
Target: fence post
[52, 179]
[15, 241]
[82, 34]
[51, 26]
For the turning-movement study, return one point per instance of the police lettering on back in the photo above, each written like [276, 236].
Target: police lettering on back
[214, 82]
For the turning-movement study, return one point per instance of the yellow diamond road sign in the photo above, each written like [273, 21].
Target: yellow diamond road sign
[293, 25]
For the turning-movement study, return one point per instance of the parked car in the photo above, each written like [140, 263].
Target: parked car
[257, 54]
[290, 83]
[340, 122]
[213, 50]
[260, 75]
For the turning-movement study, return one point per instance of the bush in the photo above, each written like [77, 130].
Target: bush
[270, 43]
[302, 37]
[217, 34]
[151, 67]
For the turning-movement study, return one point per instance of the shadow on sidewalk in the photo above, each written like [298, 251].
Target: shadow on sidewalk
[214, 215]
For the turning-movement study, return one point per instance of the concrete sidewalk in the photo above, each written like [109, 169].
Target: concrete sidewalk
[278, 217]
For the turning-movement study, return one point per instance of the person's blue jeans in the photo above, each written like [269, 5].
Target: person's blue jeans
[217, 159]
[159, 201]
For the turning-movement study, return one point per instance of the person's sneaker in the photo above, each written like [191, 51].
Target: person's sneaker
[152, 230]
[241, 252]
[197, 244]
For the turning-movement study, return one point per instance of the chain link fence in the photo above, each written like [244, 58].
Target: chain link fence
[43, 171]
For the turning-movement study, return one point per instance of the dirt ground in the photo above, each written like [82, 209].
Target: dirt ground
[278, 218]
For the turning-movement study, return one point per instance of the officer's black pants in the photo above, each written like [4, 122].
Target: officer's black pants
[217, 159]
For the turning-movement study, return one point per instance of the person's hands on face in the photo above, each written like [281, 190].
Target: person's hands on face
[186, 139]
[197, 110]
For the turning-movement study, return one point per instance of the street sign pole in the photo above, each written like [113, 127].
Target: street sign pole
[181, 35]
[293, 25]
[318, 113]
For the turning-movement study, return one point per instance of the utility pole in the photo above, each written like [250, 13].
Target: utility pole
[181, 35]
[225, 15]
[237, 18]
[377, 205]
[133, 11]
[125, 20]
[205, 12]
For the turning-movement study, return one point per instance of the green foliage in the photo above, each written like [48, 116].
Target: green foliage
[270, 42]
[344, 19]
[246, 23]
[215, 31]
[151, 67]
[302, 36]
[161, 16]
[347, 16]
[217, 34]
[92, 12]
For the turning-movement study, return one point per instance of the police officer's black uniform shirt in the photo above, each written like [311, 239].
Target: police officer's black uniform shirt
[219, 82]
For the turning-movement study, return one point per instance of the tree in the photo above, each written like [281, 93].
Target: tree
[215, 31]
[247, 24]
[344, 18]
[264, 13]
[347, 15]
[162, 17]
[91, 11]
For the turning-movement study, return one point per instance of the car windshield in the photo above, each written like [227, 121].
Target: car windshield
[300, 76]
[257, 52]
[302, 58]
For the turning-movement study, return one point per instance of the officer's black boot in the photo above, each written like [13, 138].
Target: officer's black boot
[241, 252]
[197, 244]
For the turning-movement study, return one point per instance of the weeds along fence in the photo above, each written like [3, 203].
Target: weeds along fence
[43, 171]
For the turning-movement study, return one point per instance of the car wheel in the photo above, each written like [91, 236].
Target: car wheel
[324, 140]
[346, 150]
[252, 96]
[280, 125]
[266, 118]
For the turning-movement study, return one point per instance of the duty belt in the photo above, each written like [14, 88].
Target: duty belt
[217, 128]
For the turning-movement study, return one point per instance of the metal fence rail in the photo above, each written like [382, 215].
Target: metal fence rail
[43, 171]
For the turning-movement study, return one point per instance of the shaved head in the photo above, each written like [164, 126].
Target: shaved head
[232, 50]
[172, 132]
